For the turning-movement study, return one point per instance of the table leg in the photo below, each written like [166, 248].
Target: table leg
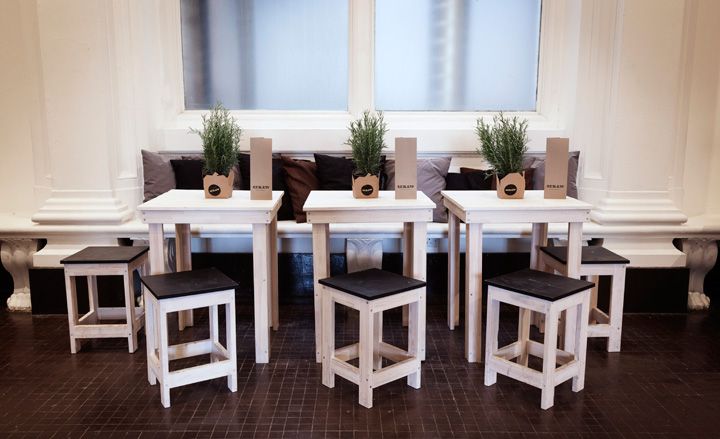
[274, 301]
[473, 294]
[262, 285]
[539, 239]
[183, 262]
[321, 270]
[419, 271]
[156, 240]
[407, 242]
[573, 270]
[453, 271]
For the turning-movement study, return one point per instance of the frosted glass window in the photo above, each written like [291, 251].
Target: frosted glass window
[456, 55]
[265, 55]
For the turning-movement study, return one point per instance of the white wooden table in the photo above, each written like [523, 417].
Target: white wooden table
[185, 207]
[476, 208]
[326, 207]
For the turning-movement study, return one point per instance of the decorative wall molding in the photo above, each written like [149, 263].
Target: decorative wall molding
[83, 207]
[701, 258]
[646, 252]
[637, 208]
[16, 255]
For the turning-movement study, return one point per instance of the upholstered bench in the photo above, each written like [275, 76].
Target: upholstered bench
[371, 292]
[185, 290]
[549, 294]
[596, 261]
[92, 262]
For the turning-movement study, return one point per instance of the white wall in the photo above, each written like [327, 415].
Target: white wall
[700, 184]
[17, 93]
[713, 185]
[86, 84]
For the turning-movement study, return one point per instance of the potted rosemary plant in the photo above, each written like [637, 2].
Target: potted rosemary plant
[221, 142]
[366, 141]
[503, 145]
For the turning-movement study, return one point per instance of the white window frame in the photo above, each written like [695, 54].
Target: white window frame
[437, 131]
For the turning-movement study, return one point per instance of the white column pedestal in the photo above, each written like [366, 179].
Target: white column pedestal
[17, 258]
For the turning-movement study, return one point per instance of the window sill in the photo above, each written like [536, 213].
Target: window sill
[327, 130]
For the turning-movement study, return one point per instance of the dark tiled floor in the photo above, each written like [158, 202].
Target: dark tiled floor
[665, 383]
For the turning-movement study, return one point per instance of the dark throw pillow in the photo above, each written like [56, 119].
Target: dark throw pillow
[334, 173]
[478, 179]
[188, 173]
[300, 179]
[236, 169]
[468, 181]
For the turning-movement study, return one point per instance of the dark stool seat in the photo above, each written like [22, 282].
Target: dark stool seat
[540, 284]
[372, 284]
[106, 255]
[188, 283]
[593, 254]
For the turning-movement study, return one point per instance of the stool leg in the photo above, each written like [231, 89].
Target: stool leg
[421, 321]
[71, 294]
[524, 316]
[570, 327]
[231, 343]
[164, 360]
[377, 335]
[328, 337]
[617, 297]
[491, 336]
[150, 336]
[549, 355]
[93, 303]
[593, 292]
[366, 357]
[214, 331]
[415, 326]
[130, 311]
[580, 347]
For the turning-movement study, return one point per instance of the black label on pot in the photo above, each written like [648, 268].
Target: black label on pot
[214, 190]
[510, 189]
[366, 190]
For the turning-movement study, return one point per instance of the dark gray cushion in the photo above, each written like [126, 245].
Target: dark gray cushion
[158, 175]
[431, 175]
[538, 164]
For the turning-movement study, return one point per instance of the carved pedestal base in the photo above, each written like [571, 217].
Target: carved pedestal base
[16, 256]
[701, 257]
[363, 254]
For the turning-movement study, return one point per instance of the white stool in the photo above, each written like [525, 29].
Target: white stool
[596, 261]
[545, 293]
[186, 290]
[371, 292]
[92, 262]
